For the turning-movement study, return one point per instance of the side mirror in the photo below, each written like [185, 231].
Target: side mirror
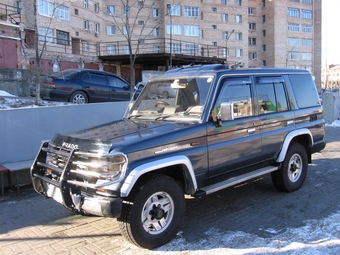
[225, 111]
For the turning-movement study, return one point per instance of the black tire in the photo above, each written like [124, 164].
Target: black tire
[153, 212]
[292, 173]
[79, 97]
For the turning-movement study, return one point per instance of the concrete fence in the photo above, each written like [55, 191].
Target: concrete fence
[23, 129]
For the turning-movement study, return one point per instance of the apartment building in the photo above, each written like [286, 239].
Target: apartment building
[162, 34]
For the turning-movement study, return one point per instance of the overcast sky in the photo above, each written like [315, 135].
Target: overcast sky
[330, 31]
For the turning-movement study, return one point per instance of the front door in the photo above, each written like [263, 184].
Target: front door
[236, 145]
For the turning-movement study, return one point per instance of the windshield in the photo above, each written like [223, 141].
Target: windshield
[172, 98]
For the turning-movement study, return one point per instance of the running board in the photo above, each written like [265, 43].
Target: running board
[235, 180]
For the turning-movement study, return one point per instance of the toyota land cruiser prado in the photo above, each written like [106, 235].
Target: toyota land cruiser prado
[218, 127]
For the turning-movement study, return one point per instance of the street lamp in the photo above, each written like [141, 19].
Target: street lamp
[288, 55]
[169, 12]
[226, 45]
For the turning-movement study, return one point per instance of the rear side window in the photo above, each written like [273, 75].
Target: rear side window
[304, 90]
[98, 79]
[271, 94]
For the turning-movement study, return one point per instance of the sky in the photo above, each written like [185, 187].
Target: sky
[330, 31]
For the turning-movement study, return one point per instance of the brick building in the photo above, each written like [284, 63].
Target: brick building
[95, 34]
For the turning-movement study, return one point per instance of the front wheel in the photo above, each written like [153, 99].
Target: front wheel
[154, 212]
[293, 171]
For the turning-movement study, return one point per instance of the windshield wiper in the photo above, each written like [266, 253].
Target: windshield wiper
[135, 116]
[162, 117]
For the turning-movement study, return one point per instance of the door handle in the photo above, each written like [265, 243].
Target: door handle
[290, 122]
[251, 130]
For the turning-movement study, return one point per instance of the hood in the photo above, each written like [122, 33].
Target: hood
[123, 134]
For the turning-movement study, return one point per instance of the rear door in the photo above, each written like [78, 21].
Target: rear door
[275, 114]
[119, 89]
[96, 86]
[236, 145]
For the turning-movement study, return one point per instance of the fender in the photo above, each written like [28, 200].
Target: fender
[134, 175]
[290, 136]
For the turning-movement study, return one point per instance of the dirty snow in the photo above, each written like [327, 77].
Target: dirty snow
[316, 237]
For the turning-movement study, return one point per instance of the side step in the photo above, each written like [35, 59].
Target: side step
[235, 180]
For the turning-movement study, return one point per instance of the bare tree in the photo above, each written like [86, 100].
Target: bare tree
[40, 49]
[133, 31]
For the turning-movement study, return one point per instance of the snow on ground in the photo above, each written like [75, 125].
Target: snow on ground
[8, 101]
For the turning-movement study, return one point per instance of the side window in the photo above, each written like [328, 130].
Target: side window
[237, 90]
[116, 82]
[304, 89]
[98, 79]
[271, 94]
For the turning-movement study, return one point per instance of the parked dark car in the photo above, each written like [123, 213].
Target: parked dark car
[82, 86]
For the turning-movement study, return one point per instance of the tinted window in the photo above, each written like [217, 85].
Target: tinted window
[237, 90]
[116, 82]
[98, 79]
[271, 95]
[304, 90]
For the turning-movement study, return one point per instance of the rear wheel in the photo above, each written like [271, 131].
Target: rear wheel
[153, 213]
[79, 97]
[292, 174]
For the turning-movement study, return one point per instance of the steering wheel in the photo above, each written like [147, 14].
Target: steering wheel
[161, 102]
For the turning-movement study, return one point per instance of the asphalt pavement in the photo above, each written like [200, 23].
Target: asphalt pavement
[32, 224]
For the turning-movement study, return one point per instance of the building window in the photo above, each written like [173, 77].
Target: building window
[111, 30]
[263, 18]
[225, 2]
[264, 63]
[239, 53]
[156, 31]
[238, 36]
[294, 12]
[62, 12]
[251, 41]
[63, 38]
[306, 42]
[96, 7]
[225, 52]
[191, 11]
[125, 30]
[214, 43]
[126, 11]
[293, 27]
[225, 17]
[263, 3]
[293, 41]
[174, 29]
[140, 22]
[307, 28]
[307, 14]
[252, 26]
[126, 49]
[214, 27]
[175, 10]
[45, 8]
[111, 49]
[293, 55]
[214, 9]
[86, 25]
[307, 1]
[76, 11]
[86, 45]
[156, 49]
[264, 48]
[306, 56]
[264, 33]
[191, 48]
[297, 1]
[238, 2]
[86, 4]
[46, 34]
[252, 55]
[140, 3]
[110, 10]
[191, 30]
[251, 11]
[97, 27]
[238, 19]
[155, 12]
